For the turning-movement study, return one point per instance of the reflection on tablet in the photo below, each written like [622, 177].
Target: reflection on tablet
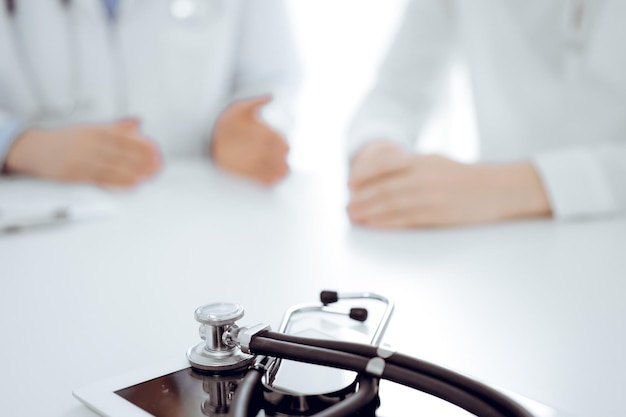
[185, 393]
[189, 393]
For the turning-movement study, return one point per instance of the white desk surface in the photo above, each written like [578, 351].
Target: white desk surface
[536, 307]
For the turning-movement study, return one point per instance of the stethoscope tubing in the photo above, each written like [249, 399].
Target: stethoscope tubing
[245, 394]
[408, 362]
[368, 389]
[44, 112]
[351, 362]
[244, 398]
[11, 6]
[328, 298]
[443, 383]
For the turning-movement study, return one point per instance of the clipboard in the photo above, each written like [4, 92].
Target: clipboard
[28, 204]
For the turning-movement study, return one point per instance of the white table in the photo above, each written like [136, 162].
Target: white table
[536, 307]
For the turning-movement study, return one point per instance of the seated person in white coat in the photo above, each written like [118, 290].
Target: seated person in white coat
[549, 83]
[101, 91]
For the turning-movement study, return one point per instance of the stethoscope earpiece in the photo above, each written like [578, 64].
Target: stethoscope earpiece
[358, 314]
[329, 297]
[256, 352]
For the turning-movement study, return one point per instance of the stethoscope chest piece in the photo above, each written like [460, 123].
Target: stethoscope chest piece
[214, 354]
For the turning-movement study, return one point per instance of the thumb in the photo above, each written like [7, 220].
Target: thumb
[128, 125]
[376, 161]
[253, 105]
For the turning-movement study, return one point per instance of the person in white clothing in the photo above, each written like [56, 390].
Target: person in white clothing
[103, 91]
[549, 85]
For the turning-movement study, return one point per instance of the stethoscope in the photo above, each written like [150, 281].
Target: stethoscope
[185, 11]
[239, 363]
[44, 111]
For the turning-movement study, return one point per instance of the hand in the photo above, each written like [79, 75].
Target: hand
[114, 154]
[244, 144]
[394, 188]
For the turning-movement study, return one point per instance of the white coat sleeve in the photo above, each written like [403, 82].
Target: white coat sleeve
[266, 61]
[590, 180]
[585, 181]
[410, 78]
[10, 129]
[11, 125]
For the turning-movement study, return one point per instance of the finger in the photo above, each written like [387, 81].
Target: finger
[262, 176]
[115, 175]
[271, 154]
[278, 142]
[130, 125]
[399, 213]
[270, 139]
[384, 209]
[274, 146]
[262, 158]
[419, 209]
[140, 154]
[252, 106]
[278, 171]
[364, 174]
[272, 171]
[143, 161]
[392, 186]
[373, 167]
[425, 218]
[392, 196]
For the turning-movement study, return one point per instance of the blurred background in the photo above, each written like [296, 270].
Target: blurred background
[341, 45]
[518, 303]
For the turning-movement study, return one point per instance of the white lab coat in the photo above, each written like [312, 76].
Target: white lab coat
[549, 86]
[176, 75]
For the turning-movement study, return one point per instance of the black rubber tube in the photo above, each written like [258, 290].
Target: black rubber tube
[244, 394]
[326, 357]
[10, 5]
[496, 398]
[368, 388]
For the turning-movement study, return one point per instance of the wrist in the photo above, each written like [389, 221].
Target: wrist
[519, 190]
[10, 132]
[23, 152]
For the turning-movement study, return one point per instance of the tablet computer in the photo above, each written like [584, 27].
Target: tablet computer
[174, 389]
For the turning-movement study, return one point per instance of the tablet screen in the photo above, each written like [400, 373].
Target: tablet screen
[183, 393]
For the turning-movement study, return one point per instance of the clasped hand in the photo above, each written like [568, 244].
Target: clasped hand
[392, 187]
[108, 154]
[118, 154]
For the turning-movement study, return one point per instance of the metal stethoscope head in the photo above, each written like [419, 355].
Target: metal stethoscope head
[214, 354]
[218, 323]
[221, 351]
[250, 352]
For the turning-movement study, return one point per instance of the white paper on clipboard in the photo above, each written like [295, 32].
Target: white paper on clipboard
[28, 203]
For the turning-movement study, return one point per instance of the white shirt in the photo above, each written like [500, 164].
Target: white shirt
[549, 83]
[175, 74]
